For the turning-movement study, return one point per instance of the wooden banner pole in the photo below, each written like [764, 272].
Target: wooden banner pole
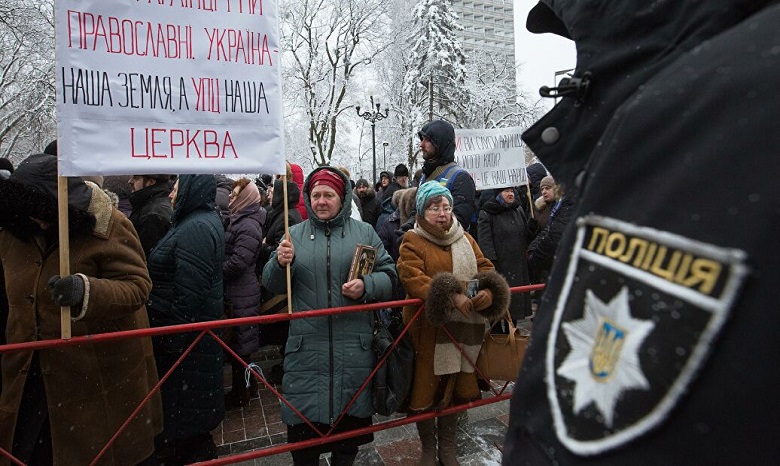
[64, 240]
[530, 198]
[287, 237]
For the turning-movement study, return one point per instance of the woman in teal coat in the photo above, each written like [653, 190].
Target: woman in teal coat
[327, 359]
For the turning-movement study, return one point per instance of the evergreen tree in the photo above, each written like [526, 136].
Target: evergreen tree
[436, 74]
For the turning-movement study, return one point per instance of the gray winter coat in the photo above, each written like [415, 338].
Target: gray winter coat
[327, 359]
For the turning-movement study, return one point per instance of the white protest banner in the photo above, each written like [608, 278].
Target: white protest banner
[168, 86]
[493, 157]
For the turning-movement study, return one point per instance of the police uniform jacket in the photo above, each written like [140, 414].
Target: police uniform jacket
[656, 340]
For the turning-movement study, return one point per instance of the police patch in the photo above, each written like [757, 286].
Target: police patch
[637, 314]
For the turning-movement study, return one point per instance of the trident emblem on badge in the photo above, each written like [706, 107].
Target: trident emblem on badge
[606, 350]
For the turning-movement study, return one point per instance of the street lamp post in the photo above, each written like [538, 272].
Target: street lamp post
[566, 73]
[373, 116]
[384, 153]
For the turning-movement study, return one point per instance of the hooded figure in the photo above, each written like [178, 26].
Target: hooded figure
[68, 402]
[662, 293]
[274, 221]
[439, 155]
[186, 269]
[327, 359]
[222, 199]
[6, 168]
[276, 333]
[296, 172]
[536, 172]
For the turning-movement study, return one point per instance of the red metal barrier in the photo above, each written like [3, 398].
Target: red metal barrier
[209, 327]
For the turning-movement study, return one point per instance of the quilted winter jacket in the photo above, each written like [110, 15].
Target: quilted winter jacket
[242, 249]
[186, 272]
[328, 358]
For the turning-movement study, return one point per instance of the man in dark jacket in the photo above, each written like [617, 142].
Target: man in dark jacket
[151, 214]
[400, 181]
[369, 204]
[387, 205]
[656, 337]
[437, 143]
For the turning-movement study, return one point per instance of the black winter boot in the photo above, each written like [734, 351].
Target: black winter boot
[238, 396]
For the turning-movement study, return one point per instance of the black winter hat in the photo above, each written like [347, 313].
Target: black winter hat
[158, 178]
[385, 175]
[51, 148]
[401, 170]
[31, 191]
[261, 185]
[542, 19]
[6, 164]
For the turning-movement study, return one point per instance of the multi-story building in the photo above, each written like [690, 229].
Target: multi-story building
[488, 26]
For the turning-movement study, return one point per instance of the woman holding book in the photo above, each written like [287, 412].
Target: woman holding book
[327, 359]
[438, 262]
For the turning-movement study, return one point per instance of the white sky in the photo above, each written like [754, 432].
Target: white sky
[539, 56]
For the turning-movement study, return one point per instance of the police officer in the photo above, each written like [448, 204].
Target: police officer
[656, 341]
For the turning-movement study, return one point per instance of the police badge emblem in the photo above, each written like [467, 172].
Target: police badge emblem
[638, 311]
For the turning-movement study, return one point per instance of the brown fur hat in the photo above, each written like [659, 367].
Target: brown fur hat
[404, 200]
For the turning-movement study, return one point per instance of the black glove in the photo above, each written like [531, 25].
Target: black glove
[67, 290]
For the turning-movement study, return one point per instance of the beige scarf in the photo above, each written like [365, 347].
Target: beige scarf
[468, 331]
[246, 197]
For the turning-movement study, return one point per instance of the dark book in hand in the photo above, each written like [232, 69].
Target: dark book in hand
[362, 261]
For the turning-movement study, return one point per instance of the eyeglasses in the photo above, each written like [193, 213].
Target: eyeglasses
[438, 210]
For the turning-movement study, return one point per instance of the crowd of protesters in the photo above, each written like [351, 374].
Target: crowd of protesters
[653, 342]
[198, 248]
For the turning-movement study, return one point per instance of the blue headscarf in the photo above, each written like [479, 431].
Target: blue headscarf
[428, 190]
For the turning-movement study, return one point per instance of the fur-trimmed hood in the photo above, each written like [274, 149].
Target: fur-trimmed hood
[439, 306]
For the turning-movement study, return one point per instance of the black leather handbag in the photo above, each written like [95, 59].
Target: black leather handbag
[393, 381]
